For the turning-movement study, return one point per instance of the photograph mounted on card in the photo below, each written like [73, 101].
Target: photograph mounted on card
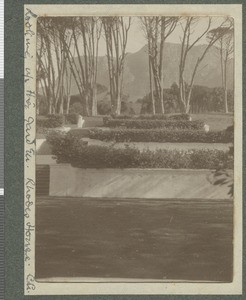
[133, 138]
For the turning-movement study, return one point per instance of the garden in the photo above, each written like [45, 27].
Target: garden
[123, 142]
[134, 164]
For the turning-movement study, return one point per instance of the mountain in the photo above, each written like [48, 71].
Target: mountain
[136, 75]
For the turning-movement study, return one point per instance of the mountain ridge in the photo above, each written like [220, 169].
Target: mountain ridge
[136, 73]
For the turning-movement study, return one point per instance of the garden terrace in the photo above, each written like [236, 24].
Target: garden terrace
[71, 150]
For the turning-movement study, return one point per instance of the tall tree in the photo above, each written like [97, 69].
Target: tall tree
[51, 62]
[85, 35]
[225, 47]
[116, 31]
[189, 26]
[157, 30]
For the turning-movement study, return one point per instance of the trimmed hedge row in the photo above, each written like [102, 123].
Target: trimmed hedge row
[50, 121]
[147, 124]
[159, 135]
[54, 121]
[71, 150]
[184, 117]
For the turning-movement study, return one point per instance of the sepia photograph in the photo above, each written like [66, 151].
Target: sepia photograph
[134, 147]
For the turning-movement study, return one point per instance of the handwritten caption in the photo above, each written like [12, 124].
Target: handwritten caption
[30, 144]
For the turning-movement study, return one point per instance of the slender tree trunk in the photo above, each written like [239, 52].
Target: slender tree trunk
[50, 108]
[94, 102]
[68, 104]
[37, 97]
[151, 89]
[118, 104]
[225, 87]
[87, 110]
[226, 101]
[225, 83]
[161, 64]
[161, 99]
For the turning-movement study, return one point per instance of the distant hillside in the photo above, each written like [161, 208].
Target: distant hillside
[136, 79]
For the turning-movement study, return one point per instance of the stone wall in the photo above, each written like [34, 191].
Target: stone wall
[133, 183]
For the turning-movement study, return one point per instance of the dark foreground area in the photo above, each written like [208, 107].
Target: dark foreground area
[141, 239]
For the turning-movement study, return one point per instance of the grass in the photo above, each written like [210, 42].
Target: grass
[134, 238]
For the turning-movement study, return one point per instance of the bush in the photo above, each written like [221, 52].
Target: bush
[77, 108]
[147, 124]
[103, 108]
[62, 144]
[79, 133]
[185, 117]
[71, 118]
[51, 121]
[230, 132]
[55, 121]
[71, 150]
[230, 128]
[159, 135]
[41, 123]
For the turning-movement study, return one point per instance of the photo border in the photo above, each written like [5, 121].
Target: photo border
[14, 146]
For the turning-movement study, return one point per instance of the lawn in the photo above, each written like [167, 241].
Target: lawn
[137, 239]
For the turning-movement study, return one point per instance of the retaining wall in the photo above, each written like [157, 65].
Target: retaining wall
[133, 183]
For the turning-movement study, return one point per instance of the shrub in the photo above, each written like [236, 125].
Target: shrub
[79, 133]
[42, 130]
[41, 123]
[159, 135]
[185, 117]
[72, 118]
[223, 177]
[180, 117]
[230, 132]
[62, 145]
[103, 108]
[77, 108]
[147, 124]
[71, 150]
[55, 121]
[51, 121]
[230, 128]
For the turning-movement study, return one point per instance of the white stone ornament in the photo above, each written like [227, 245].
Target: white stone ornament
[80, 121]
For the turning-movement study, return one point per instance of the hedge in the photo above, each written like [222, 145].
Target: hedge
[54, 121]
[147, 124]
[71, 118]
[184, 117]
[160, 135]
[50, 121]
[68, 149]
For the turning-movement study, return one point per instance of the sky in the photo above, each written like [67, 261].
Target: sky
[136, 39]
